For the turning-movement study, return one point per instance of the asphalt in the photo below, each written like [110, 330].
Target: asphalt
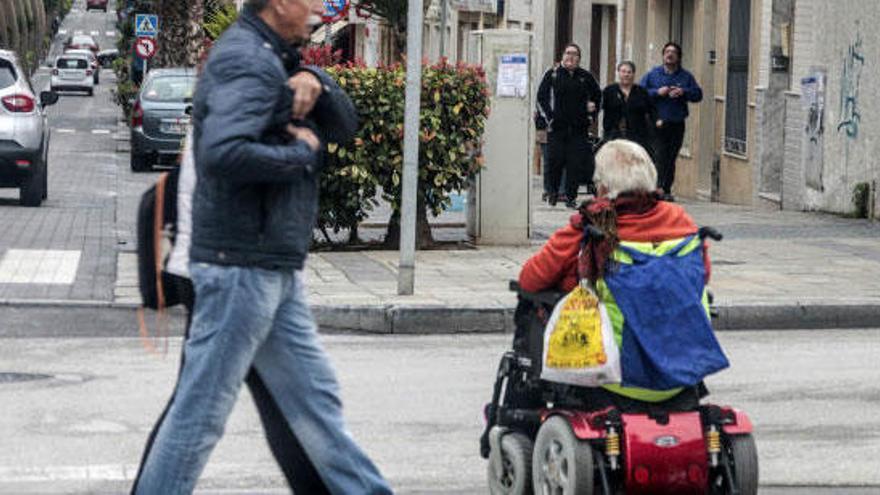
[774, 270]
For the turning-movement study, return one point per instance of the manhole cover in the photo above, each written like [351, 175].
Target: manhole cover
[22, 377]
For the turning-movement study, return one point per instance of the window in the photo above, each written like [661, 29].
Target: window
[7, 75]
[72, 63]
[170, 88]
[736, 101]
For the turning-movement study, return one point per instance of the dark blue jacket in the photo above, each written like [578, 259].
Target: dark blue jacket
[256, 197]
[672, 109]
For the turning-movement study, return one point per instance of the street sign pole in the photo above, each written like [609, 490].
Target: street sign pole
[409, 185]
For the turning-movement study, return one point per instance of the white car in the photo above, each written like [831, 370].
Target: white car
[93, 62]
[24, 132]
[72, 72]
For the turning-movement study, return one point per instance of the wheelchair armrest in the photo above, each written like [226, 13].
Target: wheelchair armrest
[549, 297]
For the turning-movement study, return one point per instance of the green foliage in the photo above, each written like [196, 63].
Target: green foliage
[219, 20]
[455, 104]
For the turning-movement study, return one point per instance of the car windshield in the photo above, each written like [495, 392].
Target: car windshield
[72, 63]
[170, 88]
[7, 75]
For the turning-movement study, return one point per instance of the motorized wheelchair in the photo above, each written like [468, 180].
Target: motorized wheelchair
[550, 438]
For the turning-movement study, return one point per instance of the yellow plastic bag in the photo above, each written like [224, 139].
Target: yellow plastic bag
[579, 347]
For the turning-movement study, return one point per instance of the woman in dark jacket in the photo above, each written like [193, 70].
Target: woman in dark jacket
[629, 110]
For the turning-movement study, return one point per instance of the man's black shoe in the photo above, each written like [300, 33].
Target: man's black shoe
[552, 200]
[571, 204]
[668, 197]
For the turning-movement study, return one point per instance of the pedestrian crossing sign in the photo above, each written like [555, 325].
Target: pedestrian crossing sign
[146, 25]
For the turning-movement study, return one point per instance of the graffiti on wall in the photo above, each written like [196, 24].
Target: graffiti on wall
[812, 153]
[853, 63]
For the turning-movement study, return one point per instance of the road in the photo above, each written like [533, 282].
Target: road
[414, 404]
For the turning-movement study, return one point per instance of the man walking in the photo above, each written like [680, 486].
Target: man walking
[568, 98]
[672, 88]
[254, 208]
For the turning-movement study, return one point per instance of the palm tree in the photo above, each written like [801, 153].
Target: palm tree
[181, 35]
[5, 26]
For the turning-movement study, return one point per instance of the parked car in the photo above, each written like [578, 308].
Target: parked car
[81, 41]
[96, 4]
[24, 133]
[106, 57]
[160, 117]
[93, 62]
[73, 72]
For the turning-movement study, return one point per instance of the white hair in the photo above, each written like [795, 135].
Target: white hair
[624, 166]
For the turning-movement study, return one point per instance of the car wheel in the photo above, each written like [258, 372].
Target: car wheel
[516, 466]
[31, 192]
[91, 91]
[139, 163]
[45, 178]
[561, 464]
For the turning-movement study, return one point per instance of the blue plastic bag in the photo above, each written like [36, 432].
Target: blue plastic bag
[667, 339]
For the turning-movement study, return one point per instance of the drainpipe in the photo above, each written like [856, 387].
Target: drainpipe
[621, 22]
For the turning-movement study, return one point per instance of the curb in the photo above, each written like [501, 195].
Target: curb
[77, 318]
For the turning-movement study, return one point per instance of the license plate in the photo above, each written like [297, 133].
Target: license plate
[176, 126]
[72, 75]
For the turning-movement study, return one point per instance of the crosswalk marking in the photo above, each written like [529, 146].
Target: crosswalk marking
[100, 131]
[110, 34]
[66, 131]
[95, 33]
[39, 266]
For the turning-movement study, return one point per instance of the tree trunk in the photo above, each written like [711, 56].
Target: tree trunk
[4, 24]
[177, 33]
[14, 31]
[40, 21]
[195, 36]
[424, 238]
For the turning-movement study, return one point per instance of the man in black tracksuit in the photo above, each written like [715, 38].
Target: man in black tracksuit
[568, 99]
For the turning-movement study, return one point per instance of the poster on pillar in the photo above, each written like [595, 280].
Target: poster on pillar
[487, 6]
[513, 76]
[813, 99]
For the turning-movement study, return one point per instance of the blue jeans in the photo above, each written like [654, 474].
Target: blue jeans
[243, 317]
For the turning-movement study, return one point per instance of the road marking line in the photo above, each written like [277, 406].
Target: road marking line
[95, 33]
[119, 472]
[66, 131]
[110, 34]
[39, 266]
[100, 131]
[62, 31]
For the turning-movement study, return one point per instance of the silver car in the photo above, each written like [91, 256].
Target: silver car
[93, 62]
[159, 117]
[24, 132]
[73, 72]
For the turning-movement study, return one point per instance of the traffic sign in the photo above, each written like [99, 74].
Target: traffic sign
[145, 47]
[335, 10]
[146, 25]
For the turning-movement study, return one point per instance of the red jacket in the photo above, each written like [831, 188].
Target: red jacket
[555, 265]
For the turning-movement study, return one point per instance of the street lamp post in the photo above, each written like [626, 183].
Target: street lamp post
[406, 269]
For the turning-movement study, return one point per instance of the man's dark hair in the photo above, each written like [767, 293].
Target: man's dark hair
[630, 63]
[674, 45]
[257, 5]
[572, 45]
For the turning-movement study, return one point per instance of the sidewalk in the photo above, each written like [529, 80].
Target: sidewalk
[774, 269]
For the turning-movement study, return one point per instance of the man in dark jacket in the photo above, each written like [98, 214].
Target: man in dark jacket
[568, 99]
[671, 88]
[254, 208]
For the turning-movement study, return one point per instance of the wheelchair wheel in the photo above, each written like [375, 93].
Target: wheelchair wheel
[515, 477]
[745, 463]
[561, 463]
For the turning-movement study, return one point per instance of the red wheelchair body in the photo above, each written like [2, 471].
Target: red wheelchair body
[539, 438]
